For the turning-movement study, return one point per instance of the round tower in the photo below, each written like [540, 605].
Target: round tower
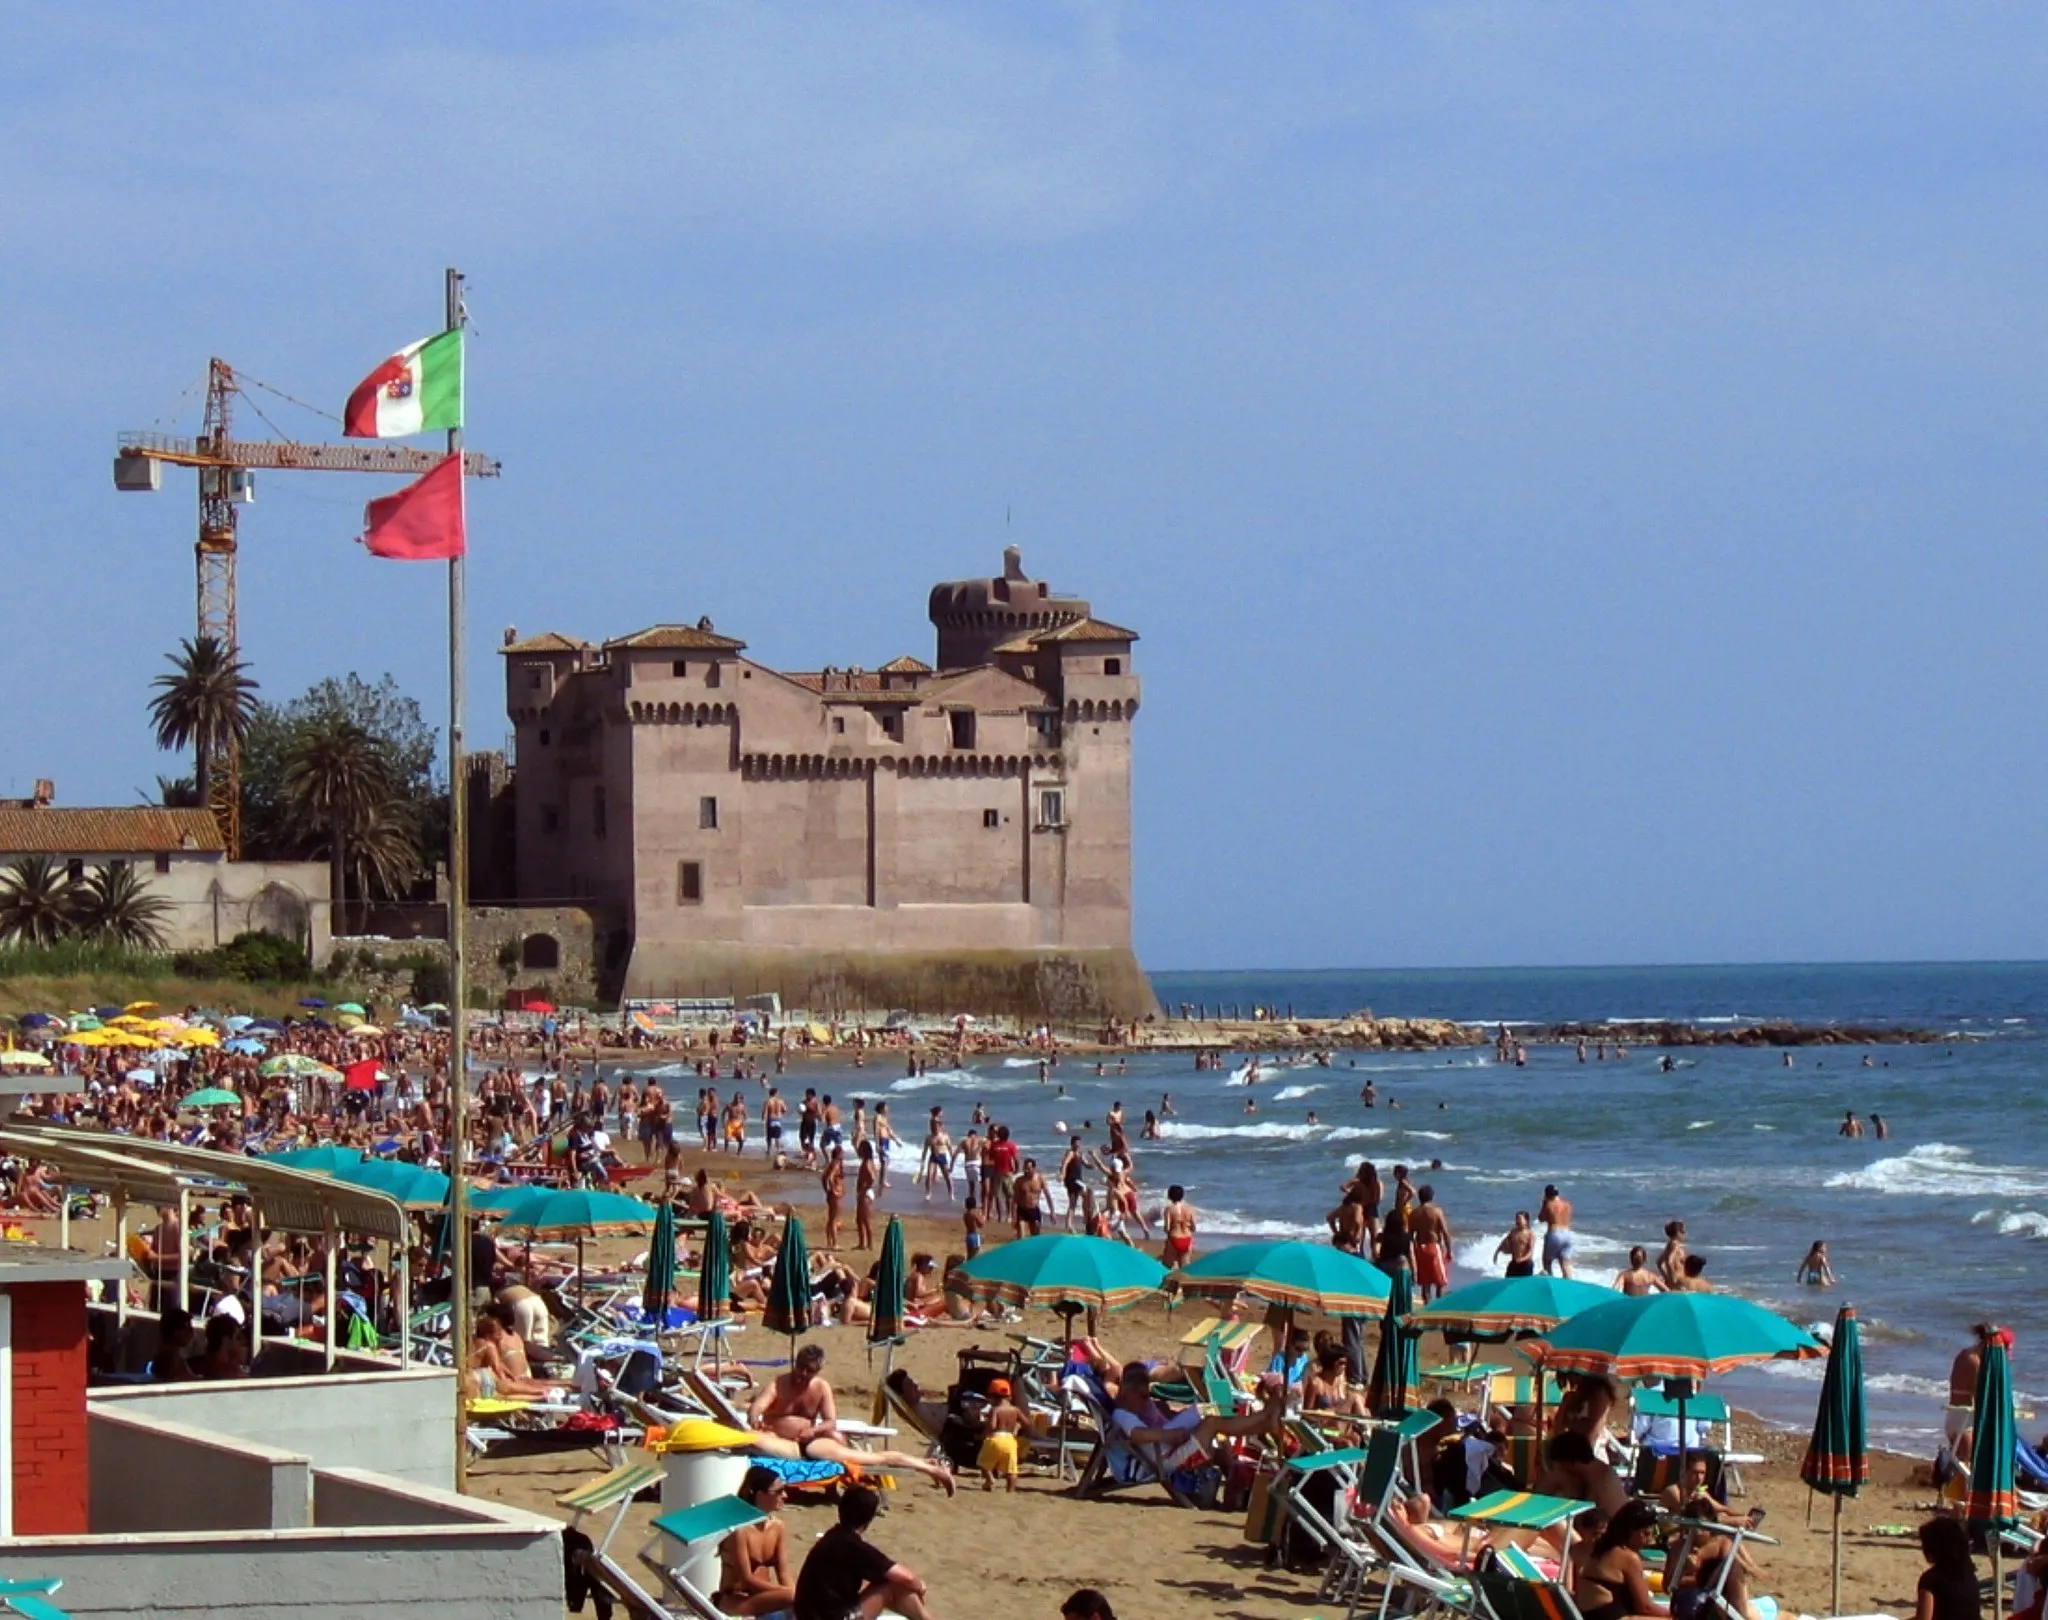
[975, 616]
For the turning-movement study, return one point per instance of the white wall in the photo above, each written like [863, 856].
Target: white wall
[149, 1474]
[400, 1424]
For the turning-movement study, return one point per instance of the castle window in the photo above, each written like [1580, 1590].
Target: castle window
[689, 883]
[536, 678]
[839, 722]
[540, 952]
[962, 722]
[680, 667]
[1112, 666]
[550, 819]
[1047, 724]
[991, 818]
[707, 813]
[892, 727]
[711, 673]
[597, 811]
[163, 862]
[1052, 808]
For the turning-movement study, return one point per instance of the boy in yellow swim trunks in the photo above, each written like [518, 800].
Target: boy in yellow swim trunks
[1004, 1422]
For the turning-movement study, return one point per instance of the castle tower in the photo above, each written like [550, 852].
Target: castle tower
[973, 616]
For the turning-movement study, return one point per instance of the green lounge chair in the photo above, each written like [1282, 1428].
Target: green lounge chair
[614, 1491]
[691, 1527]
[31, 1599]
[1504, 1594]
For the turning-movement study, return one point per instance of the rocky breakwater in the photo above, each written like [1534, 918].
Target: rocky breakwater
[1357, 1032]
[1678, 1034]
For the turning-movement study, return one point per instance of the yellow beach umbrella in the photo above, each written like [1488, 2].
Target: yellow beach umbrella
[23, 1060]
[367, 1029]
[140, 1007]
[196, 1037]
[89, 1037]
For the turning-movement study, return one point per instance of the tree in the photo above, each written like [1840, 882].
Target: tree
[178, 793]
[114, 907]
[207, 702]
[337, 783]
[38, 901]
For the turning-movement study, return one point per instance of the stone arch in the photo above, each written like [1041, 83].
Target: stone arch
[278, 908]
[1073, 710]
[1116, 709]
[540, 953]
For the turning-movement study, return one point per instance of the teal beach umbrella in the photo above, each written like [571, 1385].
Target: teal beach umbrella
[1062, 1270]
[714, 1273]
[885, 1319]
[1295, 1276]
[1498, 1307]
[413, 1185]
[1391, 1392]
[661, 1267]
[328, 1156]
[789, 1288]
[1837, 1460]
[559, 1213]
[210, 1097]
[1673, 1336]
[1991, 1505]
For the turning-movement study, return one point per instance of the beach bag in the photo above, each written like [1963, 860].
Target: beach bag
[1261, 1513]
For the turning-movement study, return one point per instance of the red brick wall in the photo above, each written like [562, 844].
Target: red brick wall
[50, 1476]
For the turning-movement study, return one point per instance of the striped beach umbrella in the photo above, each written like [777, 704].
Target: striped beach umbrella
[1991, 1505]
[1498, 1307]
[1062, 1270]
[1837, 1461]
[1392, 1390]
[885, 1321]
[1671, 1336]
[661, 1266]
[789, 1288]
[328, 1156]
[559, 1213]
[1295, 1276]
[714, 1273]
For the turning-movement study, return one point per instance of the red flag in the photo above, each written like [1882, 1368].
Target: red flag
[361, 1076]
[423, 521]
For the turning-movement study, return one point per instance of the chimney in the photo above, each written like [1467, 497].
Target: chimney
[46, 793]
[1013, 563]
[511, 634]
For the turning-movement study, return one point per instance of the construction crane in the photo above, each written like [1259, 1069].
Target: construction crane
[226, 466]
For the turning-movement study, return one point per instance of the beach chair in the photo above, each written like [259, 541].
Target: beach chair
[1652, 1408]
[614, 1492]
[891, 1408]
[1116, 1462]
[31, 1599]
[690, 1528]
[1504, 1592]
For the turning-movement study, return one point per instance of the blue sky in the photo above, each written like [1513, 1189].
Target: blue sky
[1579, 471]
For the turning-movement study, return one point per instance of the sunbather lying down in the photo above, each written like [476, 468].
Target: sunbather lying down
[795, 1417]
[1187, 1433]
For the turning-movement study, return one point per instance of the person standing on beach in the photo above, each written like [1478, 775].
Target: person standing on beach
[970, 1163]
[1671, 1263]
[834, 1184]
[772, 1112]
[1030, 1198]
[864, 1199]
[1639, 1279]
[1519, 1246]
[807, 1127]
[1347, 1222]
[1962, 1381]
[1556, 1215]
[1431, 1232]
[1177, 1221]
[1073, 1174]
[830, 1133]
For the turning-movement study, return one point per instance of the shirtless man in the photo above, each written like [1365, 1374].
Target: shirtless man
[1671, 1263]
[795, 1417]
[1031, 1196]
[1558, 1241]
[1962, 1382]
[773, 1112]
[833, 1182]
[1851, 1125]
[1430, 1233]
[1639, 1279]
[1177, 1220]
[1519, 1247]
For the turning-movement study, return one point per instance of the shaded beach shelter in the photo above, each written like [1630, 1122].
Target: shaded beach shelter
[1991, 1505]
[355, 1007]
[291, 1065]
[789, 1288]
[1500, 1307]
[245, 1046]
[413, 1185]
[1061, 1271]
[1837, 1460]
[210, 1097]
[1683, 1339]
[557, 1214]
[328, 1156]
[885, 1319]
[40, 1020]
[1394, 1365]
[311, 1001]
[23, 1060]
[500, 1200]
[661, 1266]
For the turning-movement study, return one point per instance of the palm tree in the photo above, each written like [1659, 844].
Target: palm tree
[206, 702]
[38, 901]
[337, 783]
[384, 854]
[116, 908]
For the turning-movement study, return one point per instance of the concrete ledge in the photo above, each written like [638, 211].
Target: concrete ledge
[150, 1474]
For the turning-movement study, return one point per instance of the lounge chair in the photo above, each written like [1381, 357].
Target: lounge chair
[31, 1599]
[891, 1408]
[1505, 1592]
[690, 1528]
[1116, 1462]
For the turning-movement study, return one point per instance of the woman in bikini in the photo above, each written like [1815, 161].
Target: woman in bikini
[753, 1562]
[1612, 1585]
[864, 1199]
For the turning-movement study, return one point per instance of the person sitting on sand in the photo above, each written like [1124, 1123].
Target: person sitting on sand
[922, 1295]
[1186, 1436]
[845, 1575]
[794, 1416]
[1612, 1583]
[753, 1562]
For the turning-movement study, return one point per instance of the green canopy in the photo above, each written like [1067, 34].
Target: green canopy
[1496, 1307]
[1297, 1276]
[577, 1212]
[355, 1007]
[499, 1200]
[291, 1064]
[1677, 1336]
[328, 1156]
[885, 1321]
[1394, 1373]
[1062, 1269]
[661, 1265]
[413, 1185]
[789, 1289]
[1837, 1459]
[210, 1097]
[714, 1272]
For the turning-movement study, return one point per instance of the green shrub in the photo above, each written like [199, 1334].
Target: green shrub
[260, 958]
[431, 981]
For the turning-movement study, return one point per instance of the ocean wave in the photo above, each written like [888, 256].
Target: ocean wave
[1289, 1093]
[1022, 1063]
[1477, 1253]
[1231, 1223]
[2014, 1222]
[1426, 1136]
[955, 1080]
[1700, 1125]
[1941, 1170]
[1268, 1130]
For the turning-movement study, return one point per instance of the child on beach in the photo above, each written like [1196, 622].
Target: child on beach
[970, 1222]
[1002, 1423]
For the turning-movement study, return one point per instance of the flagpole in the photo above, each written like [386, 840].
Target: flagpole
[458, 976]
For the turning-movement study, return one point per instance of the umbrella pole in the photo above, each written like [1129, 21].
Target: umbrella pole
[1835, 1590]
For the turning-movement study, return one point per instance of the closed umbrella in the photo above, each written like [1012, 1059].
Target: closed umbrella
[885, 1319]
[789, 1289]
[661, 1267]
[1837, 1460]
[714, 1272]
[1991, 1505]
[1392, 1389]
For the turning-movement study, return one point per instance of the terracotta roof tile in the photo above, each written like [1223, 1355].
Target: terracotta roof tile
[548, 641]
[142, 830]
[678, 637]
[906, 665]
[1089, 630]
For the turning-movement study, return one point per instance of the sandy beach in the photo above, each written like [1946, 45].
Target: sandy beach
[1014, 1557]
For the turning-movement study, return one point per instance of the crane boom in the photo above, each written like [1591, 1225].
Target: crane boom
[288, 455]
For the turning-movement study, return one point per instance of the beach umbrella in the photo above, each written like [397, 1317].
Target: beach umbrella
[789, 1289]
[237, 1022]
[885, 1318]
[1497, 1307]
[327, 1157]
[1837, 1461]
[1064, 1271]
[1293, 1275]
[23, 1060]
[245, 1045]
[1991, 1505]
[311, 1001]
[413, 1185]
[499, 1201]
[556, 1213]
[195, 1037]
[210, 1097]
[140, 1007]
[355, 1007]
[368, 1031]
[714, 1272]
[40, 1020]
[661, 1265]
[1394, 1370]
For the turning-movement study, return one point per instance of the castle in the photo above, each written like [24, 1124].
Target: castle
[949, 838]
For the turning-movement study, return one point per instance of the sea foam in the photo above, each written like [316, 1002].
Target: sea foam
[1941, 1170]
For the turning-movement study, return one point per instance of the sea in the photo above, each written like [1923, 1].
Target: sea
[1942, 1225]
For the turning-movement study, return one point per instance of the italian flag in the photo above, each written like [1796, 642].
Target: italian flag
[418, 390]
[423, 522]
